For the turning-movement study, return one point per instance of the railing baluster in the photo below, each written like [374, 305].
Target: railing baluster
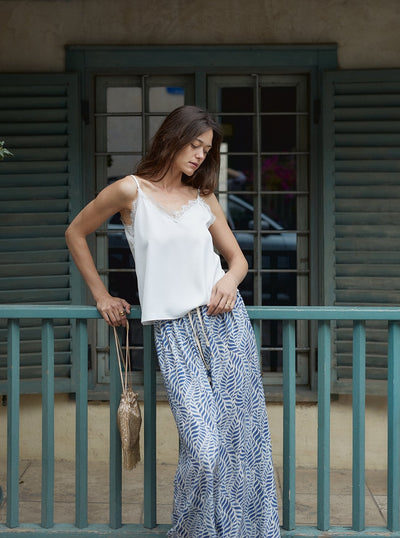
[13, 361]
[324, 392]
[393, 472]
[81, 449]
[150, 476]
[47, 424]
[358, 425]
[115, 441]
[289, 425]
[257, 334]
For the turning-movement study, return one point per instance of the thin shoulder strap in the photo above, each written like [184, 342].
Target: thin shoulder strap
[136, 181]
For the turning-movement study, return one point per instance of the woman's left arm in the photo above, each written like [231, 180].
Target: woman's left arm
[223, 295]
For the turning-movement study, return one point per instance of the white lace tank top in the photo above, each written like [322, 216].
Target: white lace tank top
[176, 266]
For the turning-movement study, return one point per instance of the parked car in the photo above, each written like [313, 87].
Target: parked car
[278, 248]
[278, 255]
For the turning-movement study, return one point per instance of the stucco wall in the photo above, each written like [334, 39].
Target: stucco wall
[167, 442]
[33, 33]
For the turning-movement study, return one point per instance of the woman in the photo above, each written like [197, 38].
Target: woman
[224, 484]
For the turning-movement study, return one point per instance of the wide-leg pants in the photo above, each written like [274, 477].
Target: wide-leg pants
[224, 485]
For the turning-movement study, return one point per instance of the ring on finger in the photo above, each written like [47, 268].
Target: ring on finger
[122, 313]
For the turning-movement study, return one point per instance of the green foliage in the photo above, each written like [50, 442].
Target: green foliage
[4, 151]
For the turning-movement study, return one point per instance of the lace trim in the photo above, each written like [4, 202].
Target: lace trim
[178, 213]
[175, 215]
[208, 208]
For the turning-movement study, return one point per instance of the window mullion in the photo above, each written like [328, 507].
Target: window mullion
[257, 200]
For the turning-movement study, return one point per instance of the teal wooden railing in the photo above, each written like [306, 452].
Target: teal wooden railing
[322, 315]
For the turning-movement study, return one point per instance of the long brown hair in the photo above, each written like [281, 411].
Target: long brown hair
[181, 127]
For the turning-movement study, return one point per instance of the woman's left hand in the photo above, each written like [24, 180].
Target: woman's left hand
[223, 295]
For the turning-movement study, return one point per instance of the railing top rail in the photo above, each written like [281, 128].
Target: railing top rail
[30, 311]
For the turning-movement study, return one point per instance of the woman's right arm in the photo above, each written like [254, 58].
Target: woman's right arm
[115, 198]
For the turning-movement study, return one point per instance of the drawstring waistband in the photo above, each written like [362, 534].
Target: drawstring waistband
[207, 367]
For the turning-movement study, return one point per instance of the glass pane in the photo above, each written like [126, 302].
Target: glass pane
[278, 133]
[119, 166]
[278, 173]
[240, 173]
[166, 98]
[278, 212]
[154, 124]
[238, 133]
[124, 133]
[241, 215]
[246, 289]
[278, 99]
[237, 99]
[278, 288]
[125, 99]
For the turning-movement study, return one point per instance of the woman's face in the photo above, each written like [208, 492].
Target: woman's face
[189, 158]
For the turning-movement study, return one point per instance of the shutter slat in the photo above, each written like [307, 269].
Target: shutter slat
[39, 122]
[378, 218]
[44, 256]
[34, 180]
[378, 83]
[36, 219]
[27, 206]
[35, 269]
[33, 128]
[367, 205]
[364, 283]
[33, 154]
[365, 192]
[368, 230]
[51, 296]
[386, 270]
[40, 141]
[31, 231]
[25, 245]
[371, 152]
[35, 167]
[38, 193]
[365, 140]
[352, 100]
[29, 103]
[370, 127]
[34, 282]
[367, 113]
[368, 165]
[35, 115]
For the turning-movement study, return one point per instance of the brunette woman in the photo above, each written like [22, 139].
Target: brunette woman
[224, 484]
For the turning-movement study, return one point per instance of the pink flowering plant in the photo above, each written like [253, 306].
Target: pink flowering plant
[278, 173]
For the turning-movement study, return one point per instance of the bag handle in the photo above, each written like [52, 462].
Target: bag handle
[121, 359]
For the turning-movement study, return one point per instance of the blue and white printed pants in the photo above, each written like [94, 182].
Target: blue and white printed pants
[224, 485]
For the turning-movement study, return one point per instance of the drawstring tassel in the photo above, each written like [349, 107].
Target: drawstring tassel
[207, 367]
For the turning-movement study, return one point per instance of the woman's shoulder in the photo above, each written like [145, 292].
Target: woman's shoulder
[126, 187]
[210, 199]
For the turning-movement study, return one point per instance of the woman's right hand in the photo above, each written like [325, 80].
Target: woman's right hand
[113, 310]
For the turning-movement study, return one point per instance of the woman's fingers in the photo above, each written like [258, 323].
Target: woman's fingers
[114, 310]
[220, 304]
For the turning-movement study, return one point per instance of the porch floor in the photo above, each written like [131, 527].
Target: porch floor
[132, 509]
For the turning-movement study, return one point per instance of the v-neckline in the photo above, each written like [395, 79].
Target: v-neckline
[176, 214]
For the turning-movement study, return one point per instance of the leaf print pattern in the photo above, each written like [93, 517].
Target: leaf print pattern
[224, 485]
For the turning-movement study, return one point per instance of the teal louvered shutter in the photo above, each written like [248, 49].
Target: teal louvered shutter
[362, 209]
[39, 187]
